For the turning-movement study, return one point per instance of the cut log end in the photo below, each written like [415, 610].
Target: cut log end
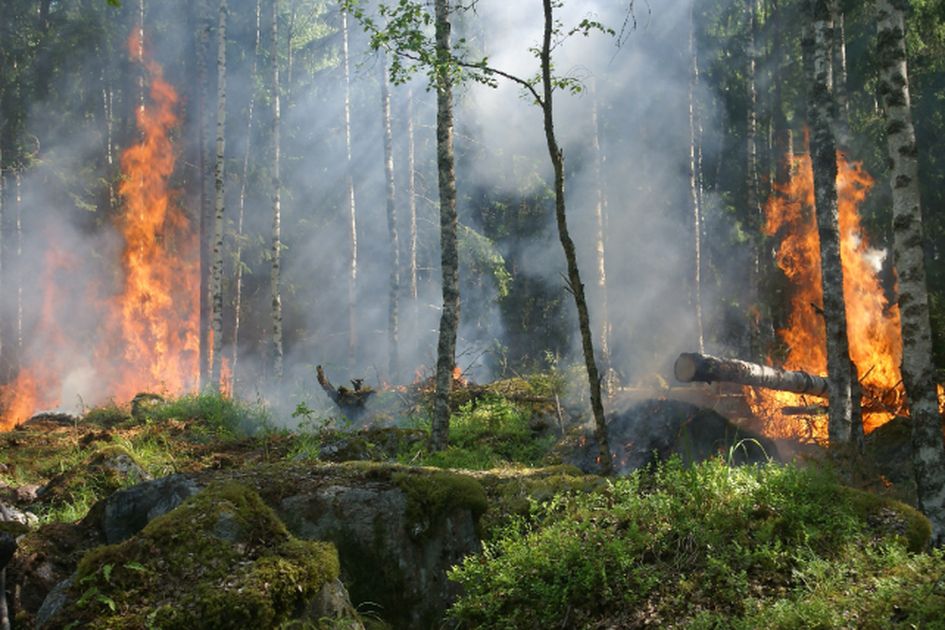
[685, 367]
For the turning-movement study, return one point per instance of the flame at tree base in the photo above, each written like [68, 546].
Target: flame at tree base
[873, 326]
[147, 337]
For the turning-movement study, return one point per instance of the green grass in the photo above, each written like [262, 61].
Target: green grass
[218, 414]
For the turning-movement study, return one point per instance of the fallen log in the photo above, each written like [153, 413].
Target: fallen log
[693, 367]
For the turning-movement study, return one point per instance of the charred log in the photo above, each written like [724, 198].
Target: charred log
[350, 401]
[693, 367]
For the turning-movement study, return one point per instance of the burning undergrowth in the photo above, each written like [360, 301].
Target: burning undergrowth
[138, 324]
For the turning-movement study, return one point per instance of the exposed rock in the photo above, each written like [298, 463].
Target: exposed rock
[397, 531]
[334, 604]
[55, 601]
[655, 430]
[10, 514]
[128, 511]
[222, 559]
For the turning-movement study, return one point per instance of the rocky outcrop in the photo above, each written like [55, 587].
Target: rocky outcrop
[655, 430]
[222, 559]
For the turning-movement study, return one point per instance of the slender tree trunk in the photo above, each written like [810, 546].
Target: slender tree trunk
[216, 271]
[928, 457]
[203, 44]
[840, 75]
[18, 227]
[393, 304]
[752, 185]
[140, 54]
[574, 276]
[238, 281]
[275, 279]
[352, 219]
[412, 198]
[694, 185]
[449, 251]
[840, 370]
[4, 359]
[600, 220]
[782, 141]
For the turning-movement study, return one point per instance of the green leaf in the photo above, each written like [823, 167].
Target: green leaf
[107, 572]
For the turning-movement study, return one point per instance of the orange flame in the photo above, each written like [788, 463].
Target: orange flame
[872, 322]
[150, 339]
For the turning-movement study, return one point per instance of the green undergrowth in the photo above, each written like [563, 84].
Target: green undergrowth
[708, 546]
[485, 433]
[222, 559]
[216, 414]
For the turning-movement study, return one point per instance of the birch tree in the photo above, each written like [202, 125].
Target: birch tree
[694, 184]
[821, 114]
[275, 253]
[241, 212]
[216, 270]
[352, 218]
[393, 300]
[928, 452]
[203, 37]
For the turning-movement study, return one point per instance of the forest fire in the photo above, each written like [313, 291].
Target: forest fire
[872, 322]
[149, 339]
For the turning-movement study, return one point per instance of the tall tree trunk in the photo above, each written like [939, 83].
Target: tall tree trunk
[412, 198]
[928, 457]
[203, 45]
[393, 304]
[752, 186]
[352, 218]
[216, 271]
[4, 359]
[275, 279]
[841, 427]
[840, 75]
[600, 245]
[574, 276]
[449, 251]
[782, 141]
[238, 254]
[18, 236]
[694, 180]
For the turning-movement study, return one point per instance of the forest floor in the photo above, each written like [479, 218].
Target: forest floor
[817, 543]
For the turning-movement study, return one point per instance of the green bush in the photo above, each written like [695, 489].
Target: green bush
[705, 546]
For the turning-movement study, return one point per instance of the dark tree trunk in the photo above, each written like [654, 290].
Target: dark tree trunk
[821, 112]
[449, 252]
[238, 253]
[574, 276]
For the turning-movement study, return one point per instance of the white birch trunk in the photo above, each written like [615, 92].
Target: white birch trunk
[275, 279]
[393, 304]
[216, 268]
[928, 457]
[352, 218]
[695, 197]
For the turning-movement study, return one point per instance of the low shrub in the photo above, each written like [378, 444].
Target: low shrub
[702, 546]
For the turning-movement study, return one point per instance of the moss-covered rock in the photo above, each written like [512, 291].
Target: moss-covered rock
[222, 559]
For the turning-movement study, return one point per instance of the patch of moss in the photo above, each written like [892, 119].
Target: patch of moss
[888, 517]
[432, 495]
[222, 559]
